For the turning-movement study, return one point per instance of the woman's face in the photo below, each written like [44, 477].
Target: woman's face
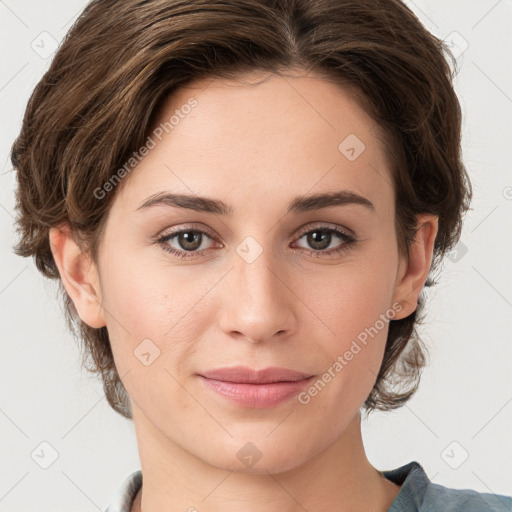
[268, 284]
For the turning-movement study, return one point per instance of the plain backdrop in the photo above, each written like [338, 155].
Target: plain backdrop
[457, 426]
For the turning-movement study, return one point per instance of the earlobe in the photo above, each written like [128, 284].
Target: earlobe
[413, 273]
[79, 276]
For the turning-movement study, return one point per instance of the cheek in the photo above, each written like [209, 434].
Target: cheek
[150, 328]
[147, 296]
[354, 306]
[351, 358]
[152, 311]
[351, 298]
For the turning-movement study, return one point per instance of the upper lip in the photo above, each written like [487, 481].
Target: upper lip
[248, 375]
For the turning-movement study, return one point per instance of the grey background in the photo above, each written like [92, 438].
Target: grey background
[463, 408]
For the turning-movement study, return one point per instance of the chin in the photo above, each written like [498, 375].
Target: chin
[259, 457]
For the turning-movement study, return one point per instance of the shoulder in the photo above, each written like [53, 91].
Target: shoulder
[418, 493]
[467, 500]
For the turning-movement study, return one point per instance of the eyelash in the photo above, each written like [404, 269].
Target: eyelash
[348, 241]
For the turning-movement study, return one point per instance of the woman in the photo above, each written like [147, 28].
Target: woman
[243, 202]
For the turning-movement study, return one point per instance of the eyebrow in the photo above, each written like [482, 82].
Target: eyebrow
[299, 204]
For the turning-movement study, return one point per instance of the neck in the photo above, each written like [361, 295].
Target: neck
[339, 478]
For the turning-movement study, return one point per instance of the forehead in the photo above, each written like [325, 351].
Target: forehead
[263, 136]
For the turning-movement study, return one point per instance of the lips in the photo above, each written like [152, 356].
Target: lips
[245, 375]
[256, 389]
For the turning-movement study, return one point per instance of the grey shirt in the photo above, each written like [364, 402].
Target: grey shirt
[417, 493]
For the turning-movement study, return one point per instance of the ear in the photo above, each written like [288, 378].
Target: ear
[79, 276]
[413, 272]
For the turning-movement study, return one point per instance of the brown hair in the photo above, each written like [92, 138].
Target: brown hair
[94, 106]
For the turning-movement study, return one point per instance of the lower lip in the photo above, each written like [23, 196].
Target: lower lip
[257, 396]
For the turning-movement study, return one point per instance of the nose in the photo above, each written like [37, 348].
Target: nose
[258, 304]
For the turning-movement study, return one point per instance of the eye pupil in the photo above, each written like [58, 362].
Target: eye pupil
[190, 240]
[319, 242]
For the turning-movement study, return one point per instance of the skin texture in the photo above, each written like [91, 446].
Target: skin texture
[255, 147]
